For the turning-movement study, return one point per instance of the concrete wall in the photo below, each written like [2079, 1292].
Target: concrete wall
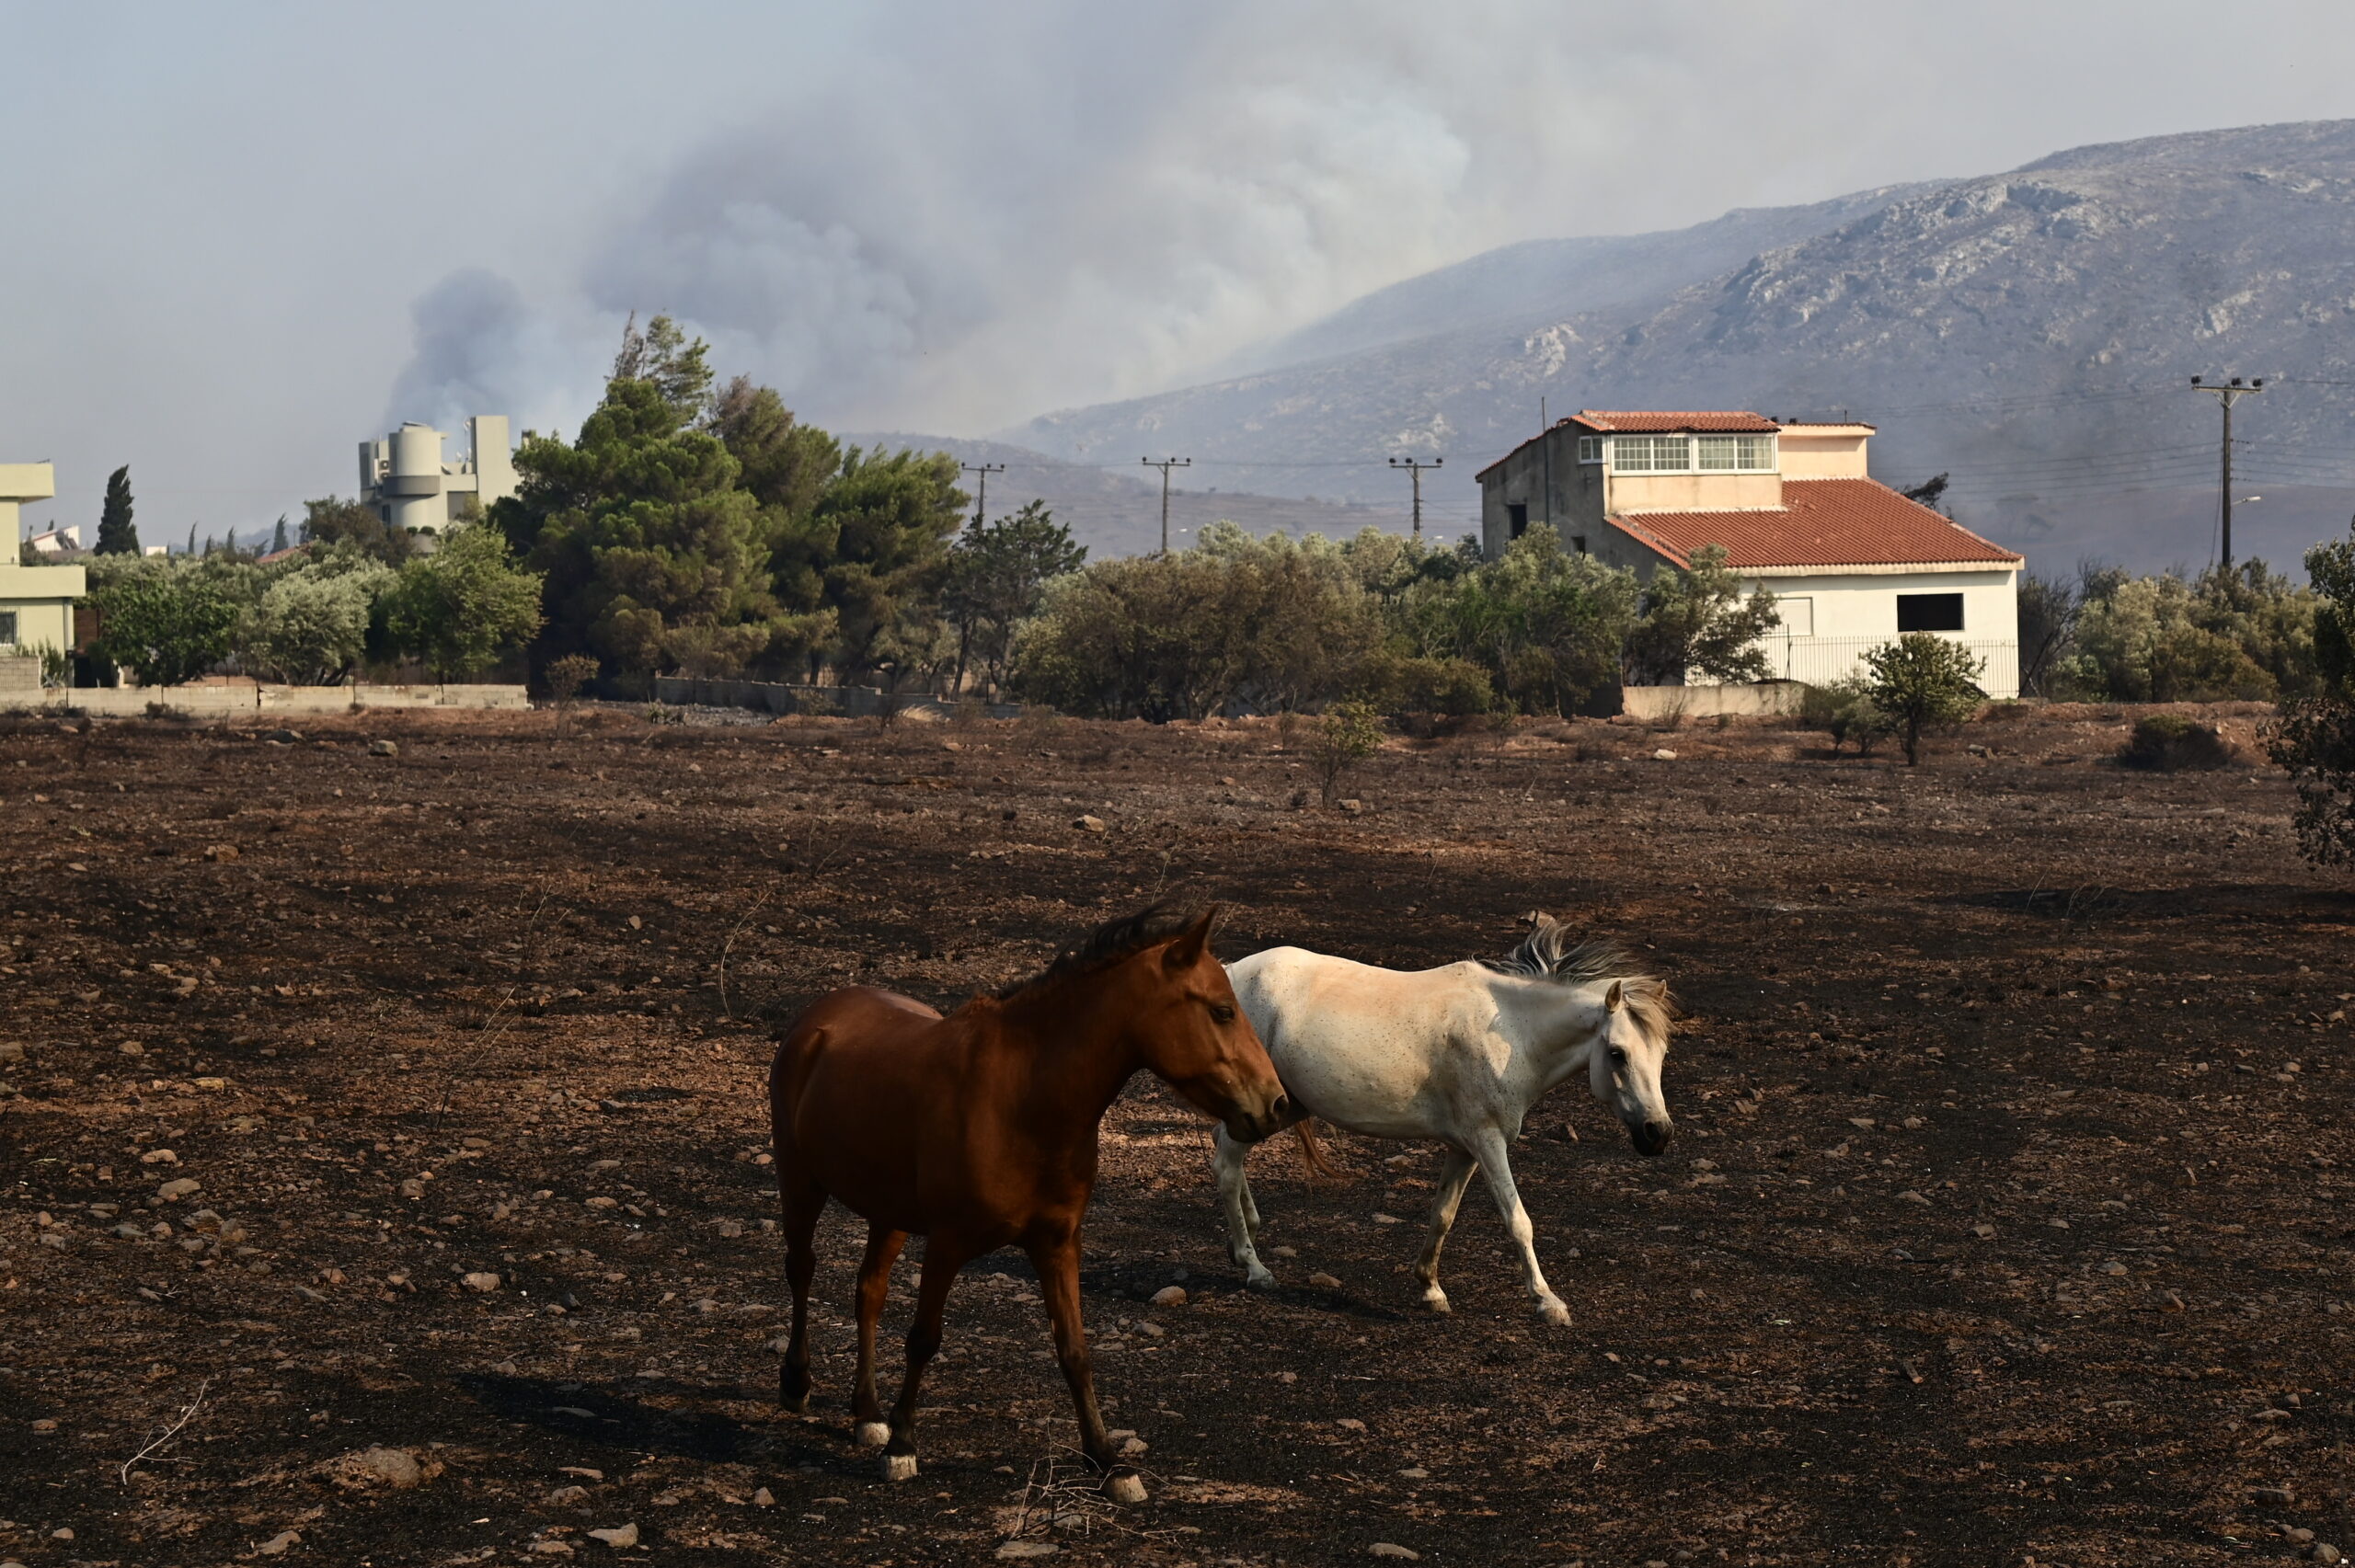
[1651, 702]
[1573, 504]
[223, 699]
[1823, 451]
[1633, 493]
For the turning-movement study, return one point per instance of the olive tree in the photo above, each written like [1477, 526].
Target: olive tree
[1922, 680]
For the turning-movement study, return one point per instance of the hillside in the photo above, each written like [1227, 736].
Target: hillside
[2031, 332]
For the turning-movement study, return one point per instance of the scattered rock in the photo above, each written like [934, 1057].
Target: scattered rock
[383, 748]
[1662, 755]
[763, 1498]
[1090, 824]
[12, 1050]
[481, 1282]
[179, 1187]
[2323, 1551]
[1134, 1446]
[276, 1545]
[581, 1471]
[618, 1537]
[566, 1496]
[220, 852]
[1324, 1282]
[1016, 1549]
[285, 736]
[1354, 808]
[132, 1048]
[2113, 1266]
[1381, 1218]
[1984, 1232]
[46, 1424]
[552, 1548]
[2282, 1495]
[1391, 1549]
[1351, 1424]
[1284, 1252]
[1170, 1296]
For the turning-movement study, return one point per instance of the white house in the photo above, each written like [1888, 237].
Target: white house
[414, 489]
[36, 601]
[1852, 562]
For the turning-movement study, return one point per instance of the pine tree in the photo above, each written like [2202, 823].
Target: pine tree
[116, 534]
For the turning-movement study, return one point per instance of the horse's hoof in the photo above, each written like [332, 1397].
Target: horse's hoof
[794, 1405]
[899, 1467]
[1260, 1279]
[1436, 1299]
[873, 1434]
[1555, 1314]
[1128, 1489]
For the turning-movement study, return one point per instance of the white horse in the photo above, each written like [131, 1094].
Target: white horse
[1458, 1054]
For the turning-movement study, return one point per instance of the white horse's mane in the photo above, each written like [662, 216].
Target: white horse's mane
[1548, 953]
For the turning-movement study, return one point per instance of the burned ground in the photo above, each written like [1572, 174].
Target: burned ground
[2006, 1218]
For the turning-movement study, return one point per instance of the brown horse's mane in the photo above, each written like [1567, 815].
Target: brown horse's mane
[1107, 946]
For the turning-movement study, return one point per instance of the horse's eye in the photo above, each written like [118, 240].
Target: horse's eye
[1222, 1013]
[1618, 1056]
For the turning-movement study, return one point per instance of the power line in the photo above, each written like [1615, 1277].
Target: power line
[2226, 395]
[1166, 464]
[981, 491]
[1415, 473]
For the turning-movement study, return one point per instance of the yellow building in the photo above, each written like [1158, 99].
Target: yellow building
[36, 603]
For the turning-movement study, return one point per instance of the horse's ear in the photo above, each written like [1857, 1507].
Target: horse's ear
[1613, 998]
[1186, 951]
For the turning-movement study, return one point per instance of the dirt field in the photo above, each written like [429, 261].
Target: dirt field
[2007, 1220]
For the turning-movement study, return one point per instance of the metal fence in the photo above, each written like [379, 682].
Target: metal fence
[1822, 660]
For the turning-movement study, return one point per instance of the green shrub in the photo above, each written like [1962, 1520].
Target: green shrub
[1844, 710]
[2167, 743]
[1350, 733]
[1921, 680]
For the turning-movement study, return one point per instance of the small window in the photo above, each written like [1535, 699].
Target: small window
[1929, 612]
[1797, 614]
[1590, 449]
[7, 628]
[1577, 543]
[1516, 520]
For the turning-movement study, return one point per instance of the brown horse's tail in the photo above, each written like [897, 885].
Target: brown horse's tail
[1312, 1154]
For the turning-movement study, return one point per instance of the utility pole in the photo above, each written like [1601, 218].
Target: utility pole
[1166, 464]
[2226, 395]
[981, 491]
[1415, 472]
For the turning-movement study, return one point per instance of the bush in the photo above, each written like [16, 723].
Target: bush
[2168, 743]
[165, 624]
[1844, 710]
[1350, 733]
[1921, 680]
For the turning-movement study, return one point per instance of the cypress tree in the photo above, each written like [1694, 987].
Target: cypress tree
[277, 538]
[116, 534]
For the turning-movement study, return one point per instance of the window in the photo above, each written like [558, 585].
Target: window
[1797, 614]
[1577, 543]
[1651, 454]
[1929, 612]
[1516, 520]
[7, 628]
[1590, 449]
[1734, 454]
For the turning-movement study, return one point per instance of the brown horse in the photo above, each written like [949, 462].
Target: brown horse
[978, 1132]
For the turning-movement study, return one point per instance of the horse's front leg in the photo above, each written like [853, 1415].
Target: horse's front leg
[1057, 1261]
[1444, 1203]
[1242, 1214]
[1490, 1145]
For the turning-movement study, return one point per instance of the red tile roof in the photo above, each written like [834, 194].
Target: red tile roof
[1822, 522]
[1646, 422]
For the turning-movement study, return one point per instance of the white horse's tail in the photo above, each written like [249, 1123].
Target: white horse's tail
[1312, 1154]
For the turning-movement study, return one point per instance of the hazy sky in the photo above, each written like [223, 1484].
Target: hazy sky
[237, 238]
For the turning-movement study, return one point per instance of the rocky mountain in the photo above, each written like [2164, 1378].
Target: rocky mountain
[2031, 333]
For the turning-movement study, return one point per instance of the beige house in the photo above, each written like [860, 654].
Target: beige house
[1851, 563]
[36, 601]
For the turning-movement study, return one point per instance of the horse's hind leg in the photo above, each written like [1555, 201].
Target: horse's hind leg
[943, 1257]
[1453, 1177]
[874, 1282]
[1242, 1214]
[803, 1202]
[1490, 1143]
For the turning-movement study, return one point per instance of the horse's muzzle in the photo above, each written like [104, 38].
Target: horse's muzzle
[1252, 1127]
[1651, 1139]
